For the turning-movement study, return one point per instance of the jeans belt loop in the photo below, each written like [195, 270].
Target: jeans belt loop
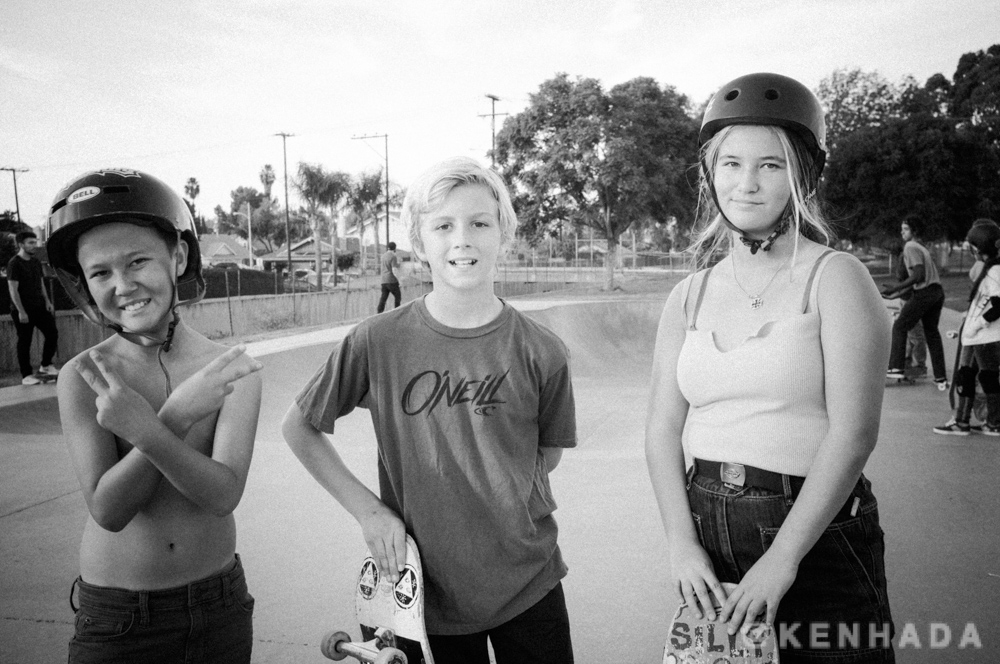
[143, 607]
[227, 588]
[733, 474]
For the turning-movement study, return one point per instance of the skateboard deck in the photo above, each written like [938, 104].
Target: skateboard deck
[46, 378]
[702, 641]
[391, 616]
[908, 377]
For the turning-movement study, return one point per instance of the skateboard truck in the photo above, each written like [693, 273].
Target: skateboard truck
[380, 650]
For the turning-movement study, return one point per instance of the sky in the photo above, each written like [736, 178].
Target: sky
[191, 88]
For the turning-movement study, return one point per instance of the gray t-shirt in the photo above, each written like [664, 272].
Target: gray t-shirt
[460, 415]
[389, 261]
[915, 254]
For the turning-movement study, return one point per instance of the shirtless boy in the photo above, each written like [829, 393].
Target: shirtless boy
[160, 424]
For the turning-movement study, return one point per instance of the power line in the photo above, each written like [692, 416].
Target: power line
[14, 171]
[386, 137]
[493, 126]
[288, 226]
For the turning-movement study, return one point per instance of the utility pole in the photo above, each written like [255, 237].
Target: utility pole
[386, 137]
[14, 171]
[493, 126]
[288, 225]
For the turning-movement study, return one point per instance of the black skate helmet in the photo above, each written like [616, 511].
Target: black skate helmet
[769, 99]
[984, 236]
[118, 195]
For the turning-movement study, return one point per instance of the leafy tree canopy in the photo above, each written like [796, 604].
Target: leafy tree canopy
[581, 156]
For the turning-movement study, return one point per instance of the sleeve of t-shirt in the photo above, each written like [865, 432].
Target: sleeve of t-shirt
[557, 411]
[912, 256]
[15, 270]
[339, 386]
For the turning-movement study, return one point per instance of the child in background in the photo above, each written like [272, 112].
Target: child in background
[980, 350]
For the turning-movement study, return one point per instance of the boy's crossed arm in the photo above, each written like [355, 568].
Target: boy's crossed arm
[382, 528]
[117, 489]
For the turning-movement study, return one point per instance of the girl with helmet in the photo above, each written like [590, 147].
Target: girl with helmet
[767, 376]
[160, 424]
[979, 353]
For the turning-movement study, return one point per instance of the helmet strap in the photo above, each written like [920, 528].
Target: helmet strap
[766, 243]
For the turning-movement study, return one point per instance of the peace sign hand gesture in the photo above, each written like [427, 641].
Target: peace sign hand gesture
[205, 391]
[120, 409]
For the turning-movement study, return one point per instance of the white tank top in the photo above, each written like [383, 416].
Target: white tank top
[762, 403]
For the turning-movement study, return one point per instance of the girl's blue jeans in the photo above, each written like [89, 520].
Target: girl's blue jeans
[837, 609]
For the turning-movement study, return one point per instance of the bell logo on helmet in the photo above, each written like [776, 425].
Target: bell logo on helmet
[82, 194]
[123, 172]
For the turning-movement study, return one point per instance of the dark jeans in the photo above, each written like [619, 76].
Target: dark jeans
[840, 588]
[925, 308]
[386, 289]
[206, 621]
[46, 324]
[540, 635]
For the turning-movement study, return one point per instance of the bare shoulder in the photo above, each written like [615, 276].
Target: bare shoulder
[845, 272]
[71, 384]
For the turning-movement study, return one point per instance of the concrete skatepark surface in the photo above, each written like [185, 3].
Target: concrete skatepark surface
[937, 494]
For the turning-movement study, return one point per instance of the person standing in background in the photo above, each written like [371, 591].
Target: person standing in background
[390, 283]
[30, 307]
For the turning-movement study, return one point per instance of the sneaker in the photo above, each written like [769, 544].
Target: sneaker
[953, 428]
[942, 384]
[991, 430]
[49, 369]
[30, 380]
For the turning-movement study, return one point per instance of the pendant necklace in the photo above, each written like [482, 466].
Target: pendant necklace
[757, 301]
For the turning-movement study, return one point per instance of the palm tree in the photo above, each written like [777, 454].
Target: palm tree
[267, 178]
[312, 183]
[363, 200]
[191, 190]
[338, 186]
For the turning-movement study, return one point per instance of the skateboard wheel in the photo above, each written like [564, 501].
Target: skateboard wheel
[390, 656]
[331, 642]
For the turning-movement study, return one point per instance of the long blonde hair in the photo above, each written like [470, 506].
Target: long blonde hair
[803, 211]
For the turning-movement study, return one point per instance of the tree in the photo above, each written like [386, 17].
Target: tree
[921, 164]
[267, 178]
[975, 90]
[855, 99]
[363, 200]
[312, 183]
[191, 190]
[607, 161]
[337, 189]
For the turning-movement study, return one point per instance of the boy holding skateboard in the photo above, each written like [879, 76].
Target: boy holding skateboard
[472, 406]
[160, 424]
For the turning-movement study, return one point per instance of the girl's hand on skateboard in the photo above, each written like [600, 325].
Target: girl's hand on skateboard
[696, 580]
[120, 409]
[385, 534]
[759, 592]
[205, 391]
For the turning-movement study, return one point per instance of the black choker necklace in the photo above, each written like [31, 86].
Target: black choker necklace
[766, 243]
